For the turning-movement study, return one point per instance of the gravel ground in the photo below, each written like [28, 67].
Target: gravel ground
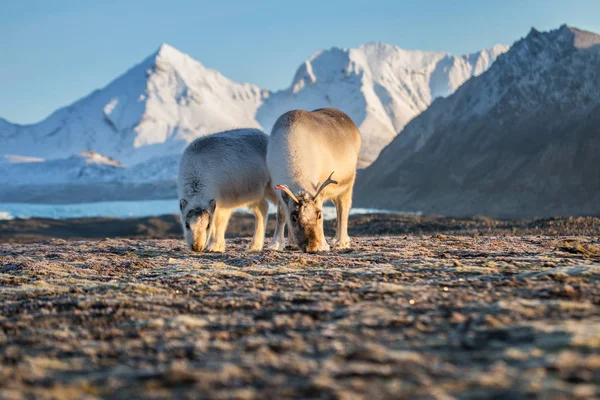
[421, 315]
[33, 230]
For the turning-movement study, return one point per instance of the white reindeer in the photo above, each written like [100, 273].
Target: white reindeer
[307, 151]
[218, 173]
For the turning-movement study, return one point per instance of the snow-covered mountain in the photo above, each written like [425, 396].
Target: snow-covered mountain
[382, 87]
[145, 117]
[153, 109]
[521, 139]
[169, 99]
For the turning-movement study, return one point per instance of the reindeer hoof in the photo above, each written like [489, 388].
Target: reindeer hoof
[216, 248]
[341, 244]
[255, 247]
[276, 246]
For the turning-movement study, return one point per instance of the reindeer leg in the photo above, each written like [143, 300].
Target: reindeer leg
[261, 213]
[220, 219]
[324, 244]
[343, 203]
[278, 241]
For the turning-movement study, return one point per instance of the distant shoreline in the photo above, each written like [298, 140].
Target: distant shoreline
[130, 209]
[88, 193]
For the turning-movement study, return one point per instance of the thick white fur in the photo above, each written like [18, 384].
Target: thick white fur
[304, 148]
[229, 167]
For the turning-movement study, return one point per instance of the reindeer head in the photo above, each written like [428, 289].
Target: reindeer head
[305, 216]
[196, 222]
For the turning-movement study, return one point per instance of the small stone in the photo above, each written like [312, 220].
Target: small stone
[458, 318]
[493, 321]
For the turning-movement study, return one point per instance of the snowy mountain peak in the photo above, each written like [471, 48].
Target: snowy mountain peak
[168, 57]
[324, 65]
[380, 86]
[166, 50]
[529, 60]
[153, 109]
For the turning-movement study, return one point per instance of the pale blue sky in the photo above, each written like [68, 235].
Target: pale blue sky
[53, 52]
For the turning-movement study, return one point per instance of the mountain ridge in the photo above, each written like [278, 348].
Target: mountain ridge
[163, 102]
[518, 140]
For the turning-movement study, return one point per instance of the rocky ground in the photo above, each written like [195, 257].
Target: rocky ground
[442, 308]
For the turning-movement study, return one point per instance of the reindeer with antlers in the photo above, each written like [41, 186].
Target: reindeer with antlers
[312, 157]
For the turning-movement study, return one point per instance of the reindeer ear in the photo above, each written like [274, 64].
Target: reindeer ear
[182, 204]
[212, 205]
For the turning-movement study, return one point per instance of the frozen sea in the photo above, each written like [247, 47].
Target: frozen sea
[121, 209]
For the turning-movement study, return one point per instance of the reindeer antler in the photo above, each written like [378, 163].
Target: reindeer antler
[328, 181]
[288, 191]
